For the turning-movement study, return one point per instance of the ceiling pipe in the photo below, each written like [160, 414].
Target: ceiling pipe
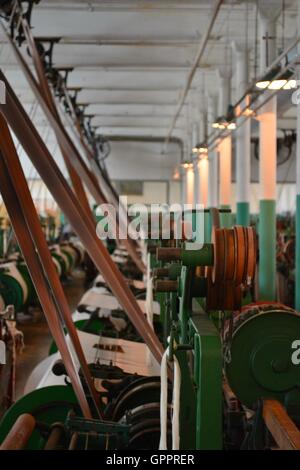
[193, 69]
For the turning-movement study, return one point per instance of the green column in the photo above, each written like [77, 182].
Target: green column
[297, 270]
[267, 250]
[207, 227]
[243, 214]
[226, 219]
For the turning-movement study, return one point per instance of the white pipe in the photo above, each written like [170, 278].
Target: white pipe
[267, 32]
[224, 92]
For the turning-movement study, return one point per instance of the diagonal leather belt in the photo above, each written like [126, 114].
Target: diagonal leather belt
[65, 198]
[24, 219]
[69, 149]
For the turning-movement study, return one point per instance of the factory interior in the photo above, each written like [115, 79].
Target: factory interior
[149, 225]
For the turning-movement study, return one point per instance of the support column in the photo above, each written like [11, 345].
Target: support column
[225, 151]
[189, 181]
[243, 143]
[267, 205]
[195, 141]
[267, 168]
[212, 157]
[203, 177]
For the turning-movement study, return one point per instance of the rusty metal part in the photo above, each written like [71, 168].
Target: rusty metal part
[240, 255]
[283, 429]
[39, 262]
[166, 286]
[65, 198]
[20, 433]
[218, 241]
[168, 254]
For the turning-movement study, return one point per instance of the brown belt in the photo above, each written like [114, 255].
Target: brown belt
[69, 149]
[64, 196]
[24, 219]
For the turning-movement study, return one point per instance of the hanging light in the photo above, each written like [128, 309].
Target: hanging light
[274, 80]
[187, 165]
[290, 85]
[222, 123]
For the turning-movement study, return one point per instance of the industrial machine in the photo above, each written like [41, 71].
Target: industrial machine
[227, 376]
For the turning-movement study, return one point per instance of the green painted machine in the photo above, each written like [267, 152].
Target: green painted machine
[239, 383]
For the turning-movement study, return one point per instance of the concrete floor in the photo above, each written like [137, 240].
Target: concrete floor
[37, 337]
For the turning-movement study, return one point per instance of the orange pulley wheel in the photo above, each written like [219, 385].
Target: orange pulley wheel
[240, 272]
[229, 255]
[218, 241]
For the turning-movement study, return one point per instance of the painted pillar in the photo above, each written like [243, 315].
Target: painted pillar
[243, 143]
[267, 173]
[195, 141]
[183, 188]
[297, 261]
[225, 149]
[189, 175]
[225, 152]
[203, 176]
[212, 156]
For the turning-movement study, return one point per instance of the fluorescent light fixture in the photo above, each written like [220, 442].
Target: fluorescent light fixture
[290, 85]
[277, 84]
[262, 85]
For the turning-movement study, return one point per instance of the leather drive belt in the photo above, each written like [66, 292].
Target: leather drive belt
[48, 170]
[69, 150]
[23, 216]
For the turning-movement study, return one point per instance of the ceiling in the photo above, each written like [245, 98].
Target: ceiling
[131, 59]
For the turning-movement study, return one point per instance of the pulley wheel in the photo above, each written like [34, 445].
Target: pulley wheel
[218, 241]
[229, 255]
[240, 255]
[258, 357]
